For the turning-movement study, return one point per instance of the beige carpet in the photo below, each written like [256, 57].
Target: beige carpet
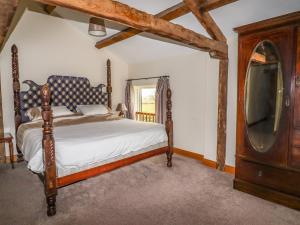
[145, 193]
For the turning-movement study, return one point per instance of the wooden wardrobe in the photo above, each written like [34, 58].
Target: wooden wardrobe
[268, 114]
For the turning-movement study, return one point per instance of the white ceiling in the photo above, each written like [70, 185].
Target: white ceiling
[138, 48]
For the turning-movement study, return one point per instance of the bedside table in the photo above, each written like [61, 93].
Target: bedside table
[7, 138]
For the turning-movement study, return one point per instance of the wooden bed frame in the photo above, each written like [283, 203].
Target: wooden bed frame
[50, 179]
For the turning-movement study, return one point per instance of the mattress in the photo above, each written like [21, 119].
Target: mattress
[86, 145]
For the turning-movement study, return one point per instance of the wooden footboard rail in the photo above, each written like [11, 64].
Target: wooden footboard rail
[51, 182]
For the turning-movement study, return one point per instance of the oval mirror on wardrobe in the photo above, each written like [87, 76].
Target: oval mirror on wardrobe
[263, 96]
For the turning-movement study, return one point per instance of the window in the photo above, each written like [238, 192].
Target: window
[145, 103]
[147, 100]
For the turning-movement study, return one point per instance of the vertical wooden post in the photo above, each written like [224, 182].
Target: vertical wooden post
[169, 127]
[49, 152]
[109, 87]
[2, 146]
[222, 113]
[16, 89]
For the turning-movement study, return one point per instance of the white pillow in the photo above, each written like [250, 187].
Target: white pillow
[92, 109]
[61, 111]
[34, 113]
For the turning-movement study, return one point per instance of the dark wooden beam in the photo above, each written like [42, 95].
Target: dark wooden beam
[124, 14]
[222, 114]
[209, 5]
[2, 146]
[118, 37]
[168, 14]
[49, 9]
[172, 13]
[205, 19]
[7, 12]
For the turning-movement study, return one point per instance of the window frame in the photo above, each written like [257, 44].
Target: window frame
[138, 95]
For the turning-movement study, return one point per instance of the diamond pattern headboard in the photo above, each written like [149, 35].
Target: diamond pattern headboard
[65, 90]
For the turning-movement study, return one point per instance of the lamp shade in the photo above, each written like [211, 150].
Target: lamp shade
[121, 107]
[97, 27]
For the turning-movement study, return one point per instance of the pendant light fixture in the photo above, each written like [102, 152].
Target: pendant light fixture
[97, 27]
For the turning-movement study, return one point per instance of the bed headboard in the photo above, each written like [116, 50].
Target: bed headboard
[69, 91]
[65, 90]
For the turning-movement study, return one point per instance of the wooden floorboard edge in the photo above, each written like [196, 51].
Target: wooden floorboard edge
[189, 154]
[200, 157]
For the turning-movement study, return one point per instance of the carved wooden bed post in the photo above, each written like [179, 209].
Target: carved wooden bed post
[49, 152]
[16, 89]
[109, 87]
[169, 127]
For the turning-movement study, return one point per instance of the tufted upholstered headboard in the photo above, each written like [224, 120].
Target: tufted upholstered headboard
[69, 91]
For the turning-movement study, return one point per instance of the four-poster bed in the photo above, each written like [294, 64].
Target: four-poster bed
[138, 22]
[51, 153]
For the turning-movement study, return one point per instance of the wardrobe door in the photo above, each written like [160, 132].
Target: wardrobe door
[265, 69]
[294, 159]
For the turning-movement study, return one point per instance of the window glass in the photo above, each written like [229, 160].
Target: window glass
[147, 100]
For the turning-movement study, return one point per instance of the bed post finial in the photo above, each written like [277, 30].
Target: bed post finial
[16, 90]
[108, 86]
[49, 152]
[169, 127]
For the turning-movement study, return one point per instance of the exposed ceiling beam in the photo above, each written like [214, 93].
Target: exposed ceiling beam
[209, 5]
[122, 13]
[7, 13]
[205, 19]
[49, 9]
[168, 14]
[172, 13]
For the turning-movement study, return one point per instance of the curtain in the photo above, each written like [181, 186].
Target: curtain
[161, 99]
[129, 100]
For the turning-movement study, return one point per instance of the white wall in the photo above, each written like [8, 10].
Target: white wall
[211, 109]
[49, 45]
[232, 100]
[194, 80]
[193, 77]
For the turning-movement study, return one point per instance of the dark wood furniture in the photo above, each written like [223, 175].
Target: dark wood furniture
[49, 177]
[8, 138]
[271, 173]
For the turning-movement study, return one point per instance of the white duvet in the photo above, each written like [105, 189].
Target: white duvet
[81, 146]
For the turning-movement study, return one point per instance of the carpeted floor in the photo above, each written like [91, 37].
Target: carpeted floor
[145, 193]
